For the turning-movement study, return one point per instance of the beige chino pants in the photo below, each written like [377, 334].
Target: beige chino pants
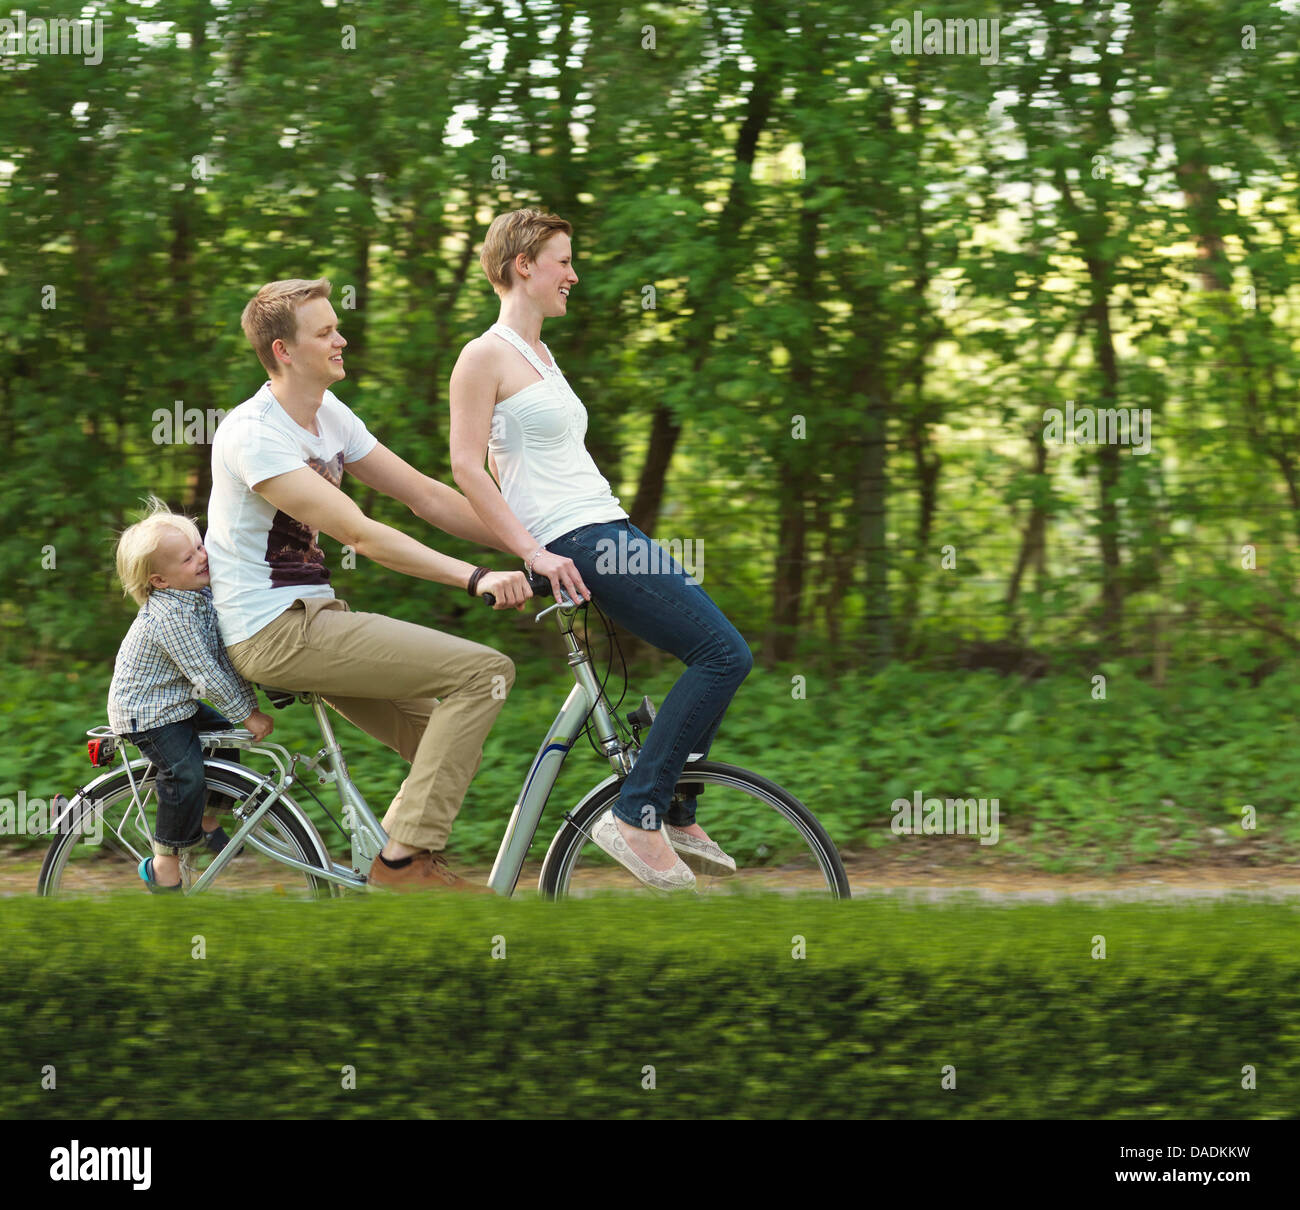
[382, 675]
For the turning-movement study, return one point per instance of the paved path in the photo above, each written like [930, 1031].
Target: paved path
[882, 876]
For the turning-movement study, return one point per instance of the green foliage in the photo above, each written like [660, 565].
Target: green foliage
[835, 231]
[307, 998]
[873, 272]
[1145, 775]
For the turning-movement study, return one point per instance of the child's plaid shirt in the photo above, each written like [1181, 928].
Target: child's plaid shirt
[171, 657]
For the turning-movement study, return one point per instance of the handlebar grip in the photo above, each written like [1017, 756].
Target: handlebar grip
[540, 585]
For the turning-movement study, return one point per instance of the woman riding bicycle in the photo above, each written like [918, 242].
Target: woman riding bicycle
[510, 402]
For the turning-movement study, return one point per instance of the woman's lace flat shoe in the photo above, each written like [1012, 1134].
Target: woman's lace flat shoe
[703, 856]
[606, 834]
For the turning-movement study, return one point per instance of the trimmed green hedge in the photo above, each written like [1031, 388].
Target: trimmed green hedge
[590, 994]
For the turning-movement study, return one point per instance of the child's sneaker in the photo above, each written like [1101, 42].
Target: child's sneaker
[216, 840]
[146, 872]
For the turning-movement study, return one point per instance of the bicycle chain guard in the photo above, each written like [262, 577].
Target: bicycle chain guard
[365, 846]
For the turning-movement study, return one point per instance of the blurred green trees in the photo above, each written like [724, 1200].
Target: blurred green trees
[828, 291]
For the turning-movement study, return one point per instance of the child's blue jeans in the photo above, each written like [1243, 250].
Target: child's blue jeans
[178, 755]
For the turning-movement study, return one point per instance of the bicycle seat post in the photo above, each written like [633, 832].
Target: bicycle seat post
[365, 831]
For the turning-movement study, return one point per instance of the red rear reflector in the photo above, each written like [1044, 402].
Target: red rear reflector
[101, 750]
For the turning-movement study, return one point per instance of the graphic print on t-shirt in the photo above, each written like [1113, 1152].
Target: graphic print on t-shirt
[291, 549]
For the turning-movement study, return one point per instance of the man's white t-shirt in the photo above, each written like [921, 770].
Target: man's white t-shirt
[260, 559]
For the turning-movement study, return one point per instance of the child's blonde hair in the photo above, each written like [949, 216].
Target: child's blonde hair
[136, 547]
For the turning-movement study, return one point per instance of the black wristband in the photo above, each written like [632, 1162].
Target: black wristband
[479, 573]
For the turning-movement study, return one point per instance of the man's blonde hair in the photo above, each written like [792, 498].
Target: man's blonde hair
[272, 314]
[136, 547]
[510, 234]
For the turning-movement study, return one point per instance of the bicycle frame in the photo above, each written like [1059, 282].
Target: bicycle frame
[367, 835]
[585, 700]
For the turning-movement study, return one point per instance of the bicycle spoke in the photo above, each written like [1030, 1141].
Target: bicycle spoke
[114, 838]
[772, 852]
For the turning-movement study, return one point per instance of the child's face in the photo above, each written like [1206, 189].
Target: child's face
[179, 562]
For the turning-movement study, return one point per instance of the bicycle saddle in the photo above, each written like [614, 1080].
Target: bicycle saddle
[280, 698]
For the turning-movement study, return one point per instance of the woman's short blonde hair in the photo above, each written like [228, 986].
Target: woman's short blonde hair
[136, 547]
[272, 314]
[510, 234]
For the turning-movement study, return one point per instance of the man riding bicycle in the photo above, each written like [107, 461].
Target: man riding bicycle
[277, 464]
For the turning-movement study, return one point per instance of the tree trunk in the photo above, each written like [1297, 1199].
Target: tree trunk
[665, 429]
[873, 484]
[1091, 231]
[1204, 214]
[1112, 595]
[186, 215]
[1033, 543]
[788, 572]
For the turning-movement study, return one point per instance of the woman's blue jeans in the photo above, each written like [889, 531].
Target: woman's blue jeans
[663, 606]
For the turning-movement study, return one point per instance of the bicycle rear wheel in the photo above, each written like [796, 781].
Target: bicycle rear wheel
[105, 834]
[776, 842]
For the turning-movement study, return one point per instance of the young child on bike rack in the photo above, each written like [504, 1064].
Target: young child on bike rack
[171, 657]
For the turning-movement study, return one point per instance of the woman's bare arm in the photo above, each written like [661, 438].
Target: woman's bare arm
[473, 398]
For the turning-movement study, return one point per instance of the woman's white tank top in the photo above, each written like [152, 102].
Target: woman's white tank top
[547, 477]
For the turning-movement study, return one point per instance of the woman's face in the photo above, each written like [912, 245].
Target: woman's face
[549, 278]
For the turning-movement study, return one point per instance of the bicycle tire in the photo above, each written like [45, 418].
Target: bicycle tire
[126, 839]
[814, 850]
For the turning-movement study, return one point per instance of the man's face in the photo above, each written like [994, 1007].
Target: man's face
[179, 562]
[316, 355]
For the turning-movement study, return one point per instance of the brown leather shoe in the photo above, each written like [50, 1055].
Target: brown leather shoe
[426, 872]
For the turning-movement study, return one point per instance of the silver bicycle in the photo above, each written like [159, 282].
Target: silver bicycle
[102, 833]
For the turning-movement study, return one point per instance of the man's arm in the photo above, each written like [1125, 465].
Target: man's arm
[318, 504]
[431, 501]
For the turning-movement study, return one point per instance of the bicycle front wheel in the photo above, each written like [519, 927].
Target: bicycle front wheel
[776, 842]
[104, 834]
